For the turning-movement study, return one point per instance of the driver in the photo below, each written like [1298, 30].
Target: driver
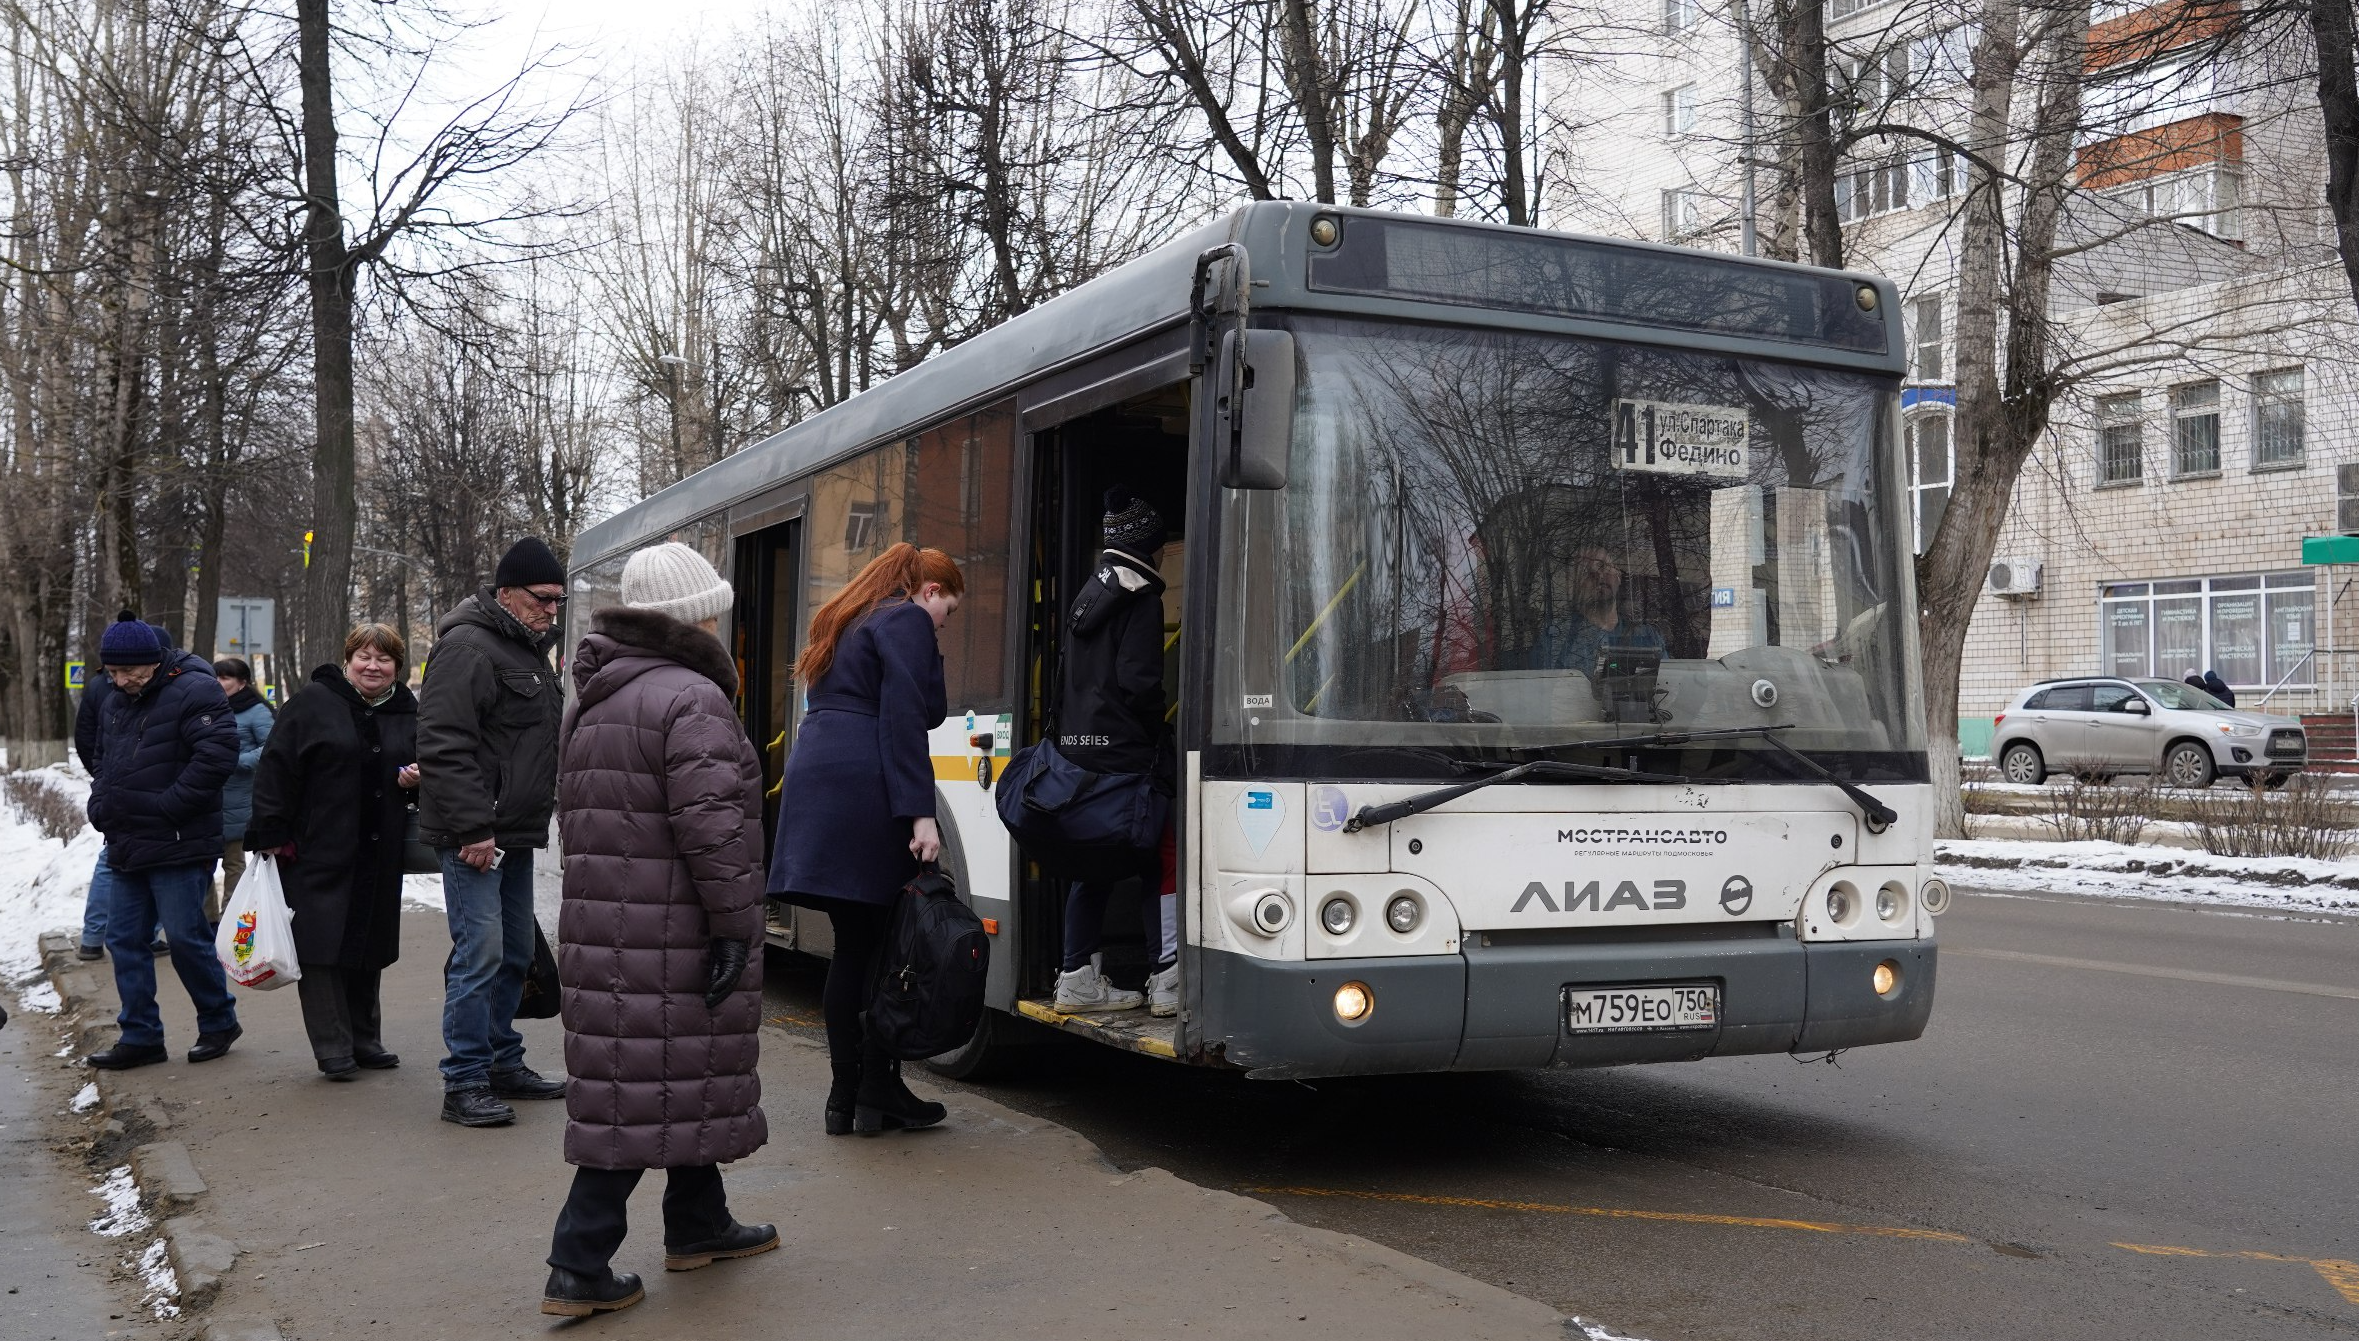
[1571, 640]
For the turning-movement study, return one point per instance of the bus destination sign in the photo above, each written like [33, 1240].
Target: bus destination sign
[1666, 438]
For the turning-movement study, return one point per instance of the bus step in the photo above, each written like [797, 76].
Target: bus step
[1131, 1030]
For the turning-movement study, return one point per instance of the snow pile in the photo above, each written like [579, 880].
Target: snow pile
[123, 1214]
[42, 880]
[2130, 871]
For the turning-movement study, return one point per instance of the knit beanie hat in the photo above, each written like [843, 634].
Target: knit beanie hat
[528, 563]
[672, 579]
[1131, 525]
[128, 642]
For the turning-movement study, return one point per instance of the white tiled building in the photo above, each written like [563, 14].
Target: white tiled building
[2166, 509]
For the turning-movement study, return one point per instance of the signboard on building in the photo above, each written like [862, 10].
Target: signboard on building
[248, 627]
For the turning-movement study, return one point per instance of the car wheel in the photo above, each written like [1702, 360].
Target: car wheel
[2189, 764]
[2021, 764]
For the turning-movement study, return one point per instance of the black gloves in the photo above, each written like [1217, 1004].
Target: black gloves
[727, 961]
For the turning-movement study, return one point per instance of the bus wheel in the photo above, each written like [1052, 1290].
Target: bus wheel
[998, 1047]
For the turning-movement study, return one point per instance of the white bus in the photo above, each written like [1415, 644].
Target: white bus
[1541, 635]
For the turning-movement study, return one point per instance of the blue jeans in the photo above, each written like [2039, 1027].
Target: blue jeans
[175, 896]
[492, 936]
[102, 879]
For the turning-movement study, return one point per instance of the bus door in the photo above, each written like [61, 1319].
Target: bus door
[765, 635]
[1140, 443]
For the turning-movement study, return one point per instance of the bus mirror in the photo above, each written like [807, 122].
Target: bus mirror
[1253, 409]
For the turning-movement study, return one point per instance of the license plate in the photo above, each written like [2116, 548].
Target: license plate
[1651, 1008]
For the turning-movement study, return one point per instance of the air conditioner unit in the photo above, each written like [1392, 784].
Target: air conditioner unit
[2013, 577]
[2346, 501]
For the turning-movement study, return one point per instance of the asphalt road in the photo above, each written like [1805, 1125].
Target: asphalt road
[2127, 1120]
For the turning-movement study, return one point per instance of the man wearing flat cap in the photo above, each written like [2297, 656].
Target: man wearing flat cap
[487, 768]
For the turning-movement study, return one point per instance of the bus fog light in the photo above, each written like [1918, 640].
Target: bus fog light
[1935, 895]
[1338, 916]
[1886, 978]
[1353, 1002]
[1402, 914]
[1891, 903]
[1842, 904]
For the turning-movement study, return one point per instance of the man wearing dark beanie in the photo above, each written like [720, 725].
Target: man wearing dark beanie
[487, 771]
[165, 745]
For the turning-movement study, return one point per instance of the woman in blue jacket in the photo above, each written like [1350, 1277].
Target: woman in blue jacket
[255, 718]
[856, 807]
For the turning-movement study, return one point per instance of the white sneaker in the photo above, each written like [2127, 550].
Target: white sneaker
[1163, 993]
[1085, 991]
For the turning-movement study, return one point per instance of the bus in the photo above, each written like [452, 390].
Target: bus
[1541, 637]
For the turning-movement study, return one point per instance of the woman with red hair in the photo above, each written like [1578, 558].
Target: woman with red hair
[856, 808]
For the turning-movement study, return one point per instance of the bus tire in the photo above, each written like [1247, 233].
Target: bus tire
[996, 1049]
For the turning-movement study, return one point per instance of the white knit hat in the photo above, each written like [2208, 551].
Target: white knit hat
[672, 579]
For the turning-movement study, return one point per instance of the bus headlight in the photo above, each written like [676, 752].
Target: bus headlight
[1891, 903]
[1403, 914]
[1338, 916]
[1842, 903]
[1354, 1002]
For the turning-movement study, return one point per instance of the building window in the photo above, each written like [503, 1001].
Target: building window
[2254, 629]
[1877, 80]
[1679, 111]
[1933, 466]
[2121, 446]
[1943, 58]
[1928, 340]
[2277, 418]
[1839, 10]
[860, 529]
[2205, 200]
[2195, 429]
[1864, 191]
[1683, 214]
[1679, 15]
[1936, 176]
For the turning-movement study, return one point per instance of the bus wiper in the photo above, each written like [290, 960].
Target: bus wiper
[1538, 768]
[1878, 815]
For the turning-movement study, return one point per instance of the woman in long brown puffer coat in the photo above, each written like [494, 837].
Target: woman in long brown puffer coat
[659, 802]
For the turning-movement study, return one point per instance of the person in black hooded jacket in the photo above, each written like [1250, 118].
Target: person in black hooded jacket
[1111, 719]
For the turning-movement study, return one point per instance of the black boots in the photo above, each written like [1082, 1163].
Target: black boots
[525, 1083]
[124, 1056]
[842, 1093]
[735, 1241]
[210, 1046]
[570, 1295]
[476, 1108]
[883, 1103]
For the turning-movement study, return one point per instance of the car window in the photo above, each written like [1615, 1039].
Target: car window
[2113, 698]
[2063, 698]
[2181, 697]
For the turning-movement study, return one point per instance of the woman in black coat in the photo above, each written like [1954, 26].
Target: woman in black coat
[856, 807]
[331, 799]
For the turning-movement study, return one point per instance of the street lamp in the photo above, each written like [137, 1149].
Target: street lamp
[675, 363]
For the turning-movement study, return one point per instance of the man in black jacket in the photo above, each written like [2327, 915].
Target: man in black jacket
[1111, 719]
[487, 765]
[165, 745]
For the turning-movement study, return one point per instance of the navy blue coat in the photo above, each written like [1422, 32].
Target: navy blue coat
[861, 769]
[164, 754]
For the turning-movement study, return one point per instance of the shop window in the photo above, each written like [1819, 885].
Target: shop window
[2254, 629]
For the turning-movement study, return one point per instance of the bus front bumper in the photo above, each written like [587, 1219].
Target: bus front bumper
[1501, 1006]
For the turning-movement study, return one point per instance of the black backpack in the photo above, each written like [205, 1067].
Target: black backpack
[929, 984]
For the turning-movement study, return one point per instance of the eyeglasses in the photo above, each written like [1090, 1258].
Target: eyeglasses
[553, 602]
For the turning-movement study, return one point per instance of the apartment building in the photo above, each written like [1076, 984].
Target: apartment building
[2159, 528]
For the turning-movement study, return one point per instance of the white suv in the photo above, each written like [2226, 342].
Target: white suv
[2103, 726]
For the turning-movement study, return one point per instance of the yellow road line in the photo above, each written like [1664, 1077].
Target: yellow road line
[2343, 1276]
[1621, 1213]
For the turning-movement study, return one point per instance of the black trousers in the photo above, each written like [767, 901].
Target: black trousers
[592, 1225]
[340, 1011]
[860, 931]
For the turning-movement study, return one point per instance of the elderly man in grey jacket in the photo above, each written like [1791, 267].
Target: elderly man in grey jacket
[487, 765]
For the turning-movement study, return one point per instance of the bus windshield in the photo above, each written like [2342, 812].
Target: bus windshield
[1495, 544]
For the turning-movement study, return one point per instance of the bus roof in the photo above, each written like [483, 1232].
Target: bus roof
[1396, 266]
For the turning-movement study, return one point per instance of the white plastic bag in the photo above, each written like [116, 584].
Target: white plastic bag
[256, 941]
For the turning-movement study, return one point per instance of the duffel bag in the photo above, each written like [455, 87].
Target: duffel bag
[1077, 824]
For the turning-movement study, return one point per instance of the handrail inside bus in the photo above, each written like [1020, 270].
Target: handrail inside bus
[1326, 610]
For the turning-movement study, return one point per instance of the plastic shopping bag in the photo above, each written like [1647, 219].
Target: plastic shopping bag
[256, 941]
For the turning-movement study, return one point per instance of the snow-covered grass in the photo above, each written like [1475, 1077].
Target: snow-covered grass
[2133, 871]
[42, 883]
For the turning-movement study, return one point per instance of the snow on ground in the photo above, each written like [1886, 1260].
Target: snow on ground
[2130, 871]
[42, 882]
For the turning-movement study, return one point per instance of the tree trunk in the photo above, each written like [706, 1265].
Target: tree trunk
[327, 581]
[2338, 107]
[1314, 96]
[1818, 159]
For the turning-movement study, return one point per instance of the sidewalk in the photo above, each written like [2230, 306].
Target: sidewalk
[356, 1212]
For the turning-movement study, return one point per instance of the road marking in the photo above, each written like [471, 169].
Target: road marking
[2343, 1276]
[1619, 1213]
[796, 1019]
[2148, 971]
